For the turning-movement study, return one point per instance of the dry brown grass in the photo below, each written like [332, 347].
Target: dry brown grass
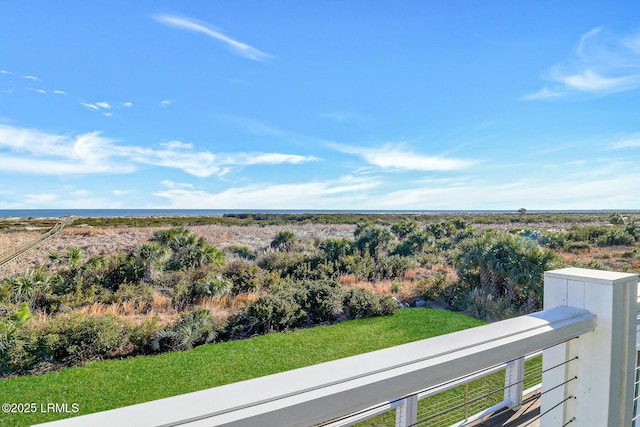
[227, 305]
[102, 241]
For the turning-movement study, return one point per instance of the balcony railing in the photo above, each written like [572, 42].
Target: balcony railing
[587, 335]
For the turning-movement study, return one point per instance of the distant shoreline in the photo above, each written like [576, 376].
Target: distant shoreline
[115, 213]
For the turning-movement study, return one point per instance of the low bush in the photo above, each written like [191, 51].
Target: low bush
[444, 288]
[244, 277]
[324, 301]
[142, 335]
[242, 251]
[74, 338]
[361, 303]
[276, 312]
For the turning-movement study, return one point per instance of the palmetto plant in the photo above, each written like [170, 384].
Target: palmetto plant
[505, 265]
[28, 286]
[187, 249]
[194, 328]
[153, 256]
[372, 239]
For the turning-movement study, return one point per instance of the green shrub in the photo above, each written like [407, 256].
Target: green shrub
[276, 312]
[22, 353]
[576, 247]
[395, 266]
[441, 287]
[324, 302]
[241, 251]
[142, 335]
[212, 287]
[74, 338]
[283, 241]
[362, 303]
[20, 350]
[244, 276]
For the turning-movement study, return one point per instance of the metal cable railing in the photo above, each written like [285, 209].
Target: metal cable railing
[451, 402]
[457, 402]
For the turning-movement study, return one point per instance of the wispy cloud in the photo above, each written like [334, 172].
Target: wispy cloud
[556, 192]
[80, 199]
[189, 24]
[29, 151]
[6, 72]
[103, 107]
[59, 92]
[329, 194]
[628, 141]
[599, 65]
[269, 159]
[395, 156]
[34, 78]
[166, 102]
[175, 154]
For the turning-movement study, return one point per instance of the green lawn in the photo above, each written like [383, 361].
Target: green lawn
[115, 383]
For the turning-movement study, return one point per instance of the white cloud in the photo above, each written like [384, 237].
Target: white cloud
[268, 159]
[582, 191]
[80, 193]
[103, 107]
[121, 192]
[127, 104]
[34, 78]
[89, 106]
[39, 199]
[170, 184]
[178, 145]
[5, 72]
[599, 65]
[629, 141]
[189, 24]
[59, 92]
[332, 194]
[34, 152]
[579, 191]
[201, 164]
[166, 102]
[394, 156]
[632, 43]
[74, 200]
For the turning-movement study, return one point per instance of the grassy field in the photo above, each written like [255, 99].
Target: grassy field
[114, 383]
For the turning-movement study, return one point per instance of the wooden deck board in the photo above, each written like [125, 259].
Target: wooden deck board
[527, 415]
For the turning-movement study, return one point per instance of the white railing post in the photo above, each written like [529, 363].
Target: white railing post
[407, 412]
[590, 379]
[514, 382]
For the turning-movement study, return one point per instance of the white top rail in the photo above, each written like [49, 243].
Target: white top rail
[322, 392]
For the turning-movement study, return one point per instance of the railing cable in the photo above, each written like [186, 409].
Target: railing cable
[391, 403]
[551, 409]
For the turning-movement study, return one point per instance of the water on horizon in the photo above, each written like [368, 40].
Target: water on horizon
[110, 213]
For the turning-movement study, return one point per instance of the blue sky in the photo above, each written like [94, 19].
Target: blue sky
[320, 105]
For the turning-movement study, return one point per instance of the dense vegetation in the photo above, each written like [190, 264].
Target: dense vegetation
[114, 383]
[177, 291]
